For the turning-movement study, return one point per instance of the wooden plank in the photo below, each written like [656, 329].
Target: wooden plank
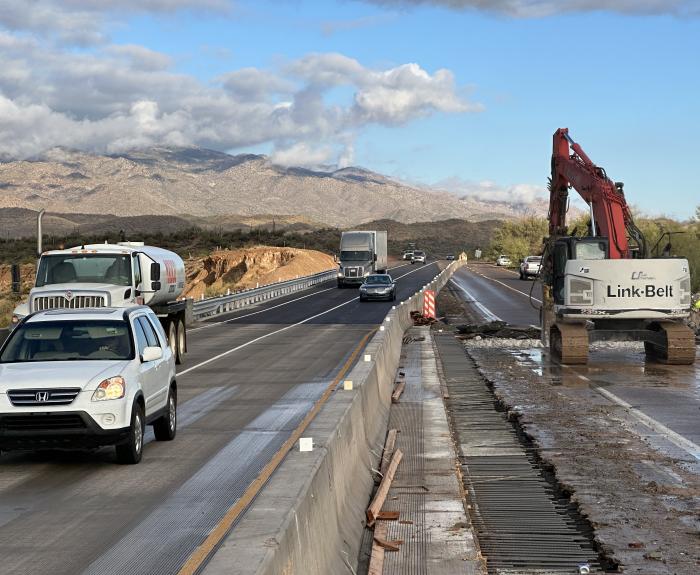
[388, 515]
[379, 497]
[376, 560]
[398, 390]
[388, 545]
[388, 450]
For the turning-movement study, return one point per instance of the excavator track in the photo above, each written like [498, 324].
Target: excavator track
[677, 347]
[568, 342]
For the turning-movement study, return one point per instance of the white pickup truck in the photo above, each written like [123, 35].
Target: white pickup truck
[113, 275]
[530, 267]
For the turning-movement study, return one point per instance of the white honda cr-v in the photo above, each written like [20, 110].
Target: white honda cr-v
[86, 378]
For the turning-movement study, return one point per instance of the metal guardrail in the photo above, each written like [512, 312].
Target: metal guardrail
[221, 304]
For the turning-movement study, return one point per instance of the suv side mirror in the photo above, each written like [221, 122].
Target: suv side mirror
[151, 354]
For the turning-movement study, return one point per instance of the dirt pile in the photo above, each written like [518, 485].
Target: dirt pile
[240, 269]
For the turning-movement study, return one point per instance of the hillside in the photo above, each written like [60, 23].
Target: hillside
[437, 238]
[193, 182]
[21, 223]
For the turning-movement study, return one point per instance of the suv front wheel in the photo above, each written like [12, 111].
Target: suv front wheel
[130, 452]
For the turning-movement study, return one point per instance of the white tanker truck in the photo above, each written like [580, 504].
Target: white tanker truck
[113, 275]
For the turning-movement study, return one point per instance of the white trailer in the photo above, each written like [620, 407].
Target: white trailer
[113, 275]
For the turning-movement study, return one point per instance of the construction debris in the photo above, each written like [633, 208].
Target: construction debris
[398, 390]
[419, 319]
[376, 562]
[388, 450]
[496, 329]
[388, 545]
[379, 497]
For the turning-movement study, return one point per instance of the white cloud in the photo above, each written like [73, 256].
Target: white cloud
[81, 21]
[487, 190]
[301, 154]
[115, 97]
[141, 58]
[542, 8]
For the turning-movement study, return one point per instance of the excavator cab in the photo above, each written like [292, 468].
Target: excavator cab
[574, 248]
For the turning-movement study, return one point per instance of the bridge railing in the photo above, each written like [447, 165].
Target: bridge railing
[220, 304]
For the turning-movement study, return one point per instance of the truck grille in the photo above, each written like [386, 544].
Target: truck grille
[62, 396]
[61, 302]
[353, 272]
[41, 422]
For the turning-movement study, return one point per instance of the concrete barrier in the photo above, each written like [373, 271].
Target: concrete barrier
[308, 520]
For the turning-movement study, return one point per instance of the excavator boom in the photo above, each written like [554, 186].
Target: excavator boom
[610, 215]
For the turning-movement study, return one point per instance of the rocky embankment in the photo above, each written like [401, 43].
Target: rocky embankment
[249, 267]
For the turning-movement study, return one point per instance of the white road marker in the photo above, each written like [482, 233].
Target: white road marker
[527, 295]
[677, 439]
[488, 314]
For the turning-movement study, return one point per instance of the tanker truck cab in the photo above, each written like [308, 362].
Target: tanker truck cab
[113, 275]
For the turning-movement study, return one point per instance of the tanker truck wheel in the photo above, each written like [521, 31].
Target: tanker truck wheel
[181, 342]
[172, 337]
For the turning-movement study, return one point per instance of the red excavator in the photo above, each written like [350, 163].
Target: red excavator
[604, 286]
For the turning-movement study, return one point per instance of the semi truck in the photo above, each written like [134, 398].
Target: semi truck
[361, 253]
[113, 275]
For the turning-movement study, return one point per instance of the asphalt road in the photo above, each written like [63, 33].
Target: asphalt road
[249, 379]
[663, 400]
[499, 294]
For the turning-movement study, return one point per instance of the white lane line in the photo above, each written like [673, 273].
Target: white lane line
[212, 324]
[488, 314]
[527, 295]
[257, 339]
[675, 438]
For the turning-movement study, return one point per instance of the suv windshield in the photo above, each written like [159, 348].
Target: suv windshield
[378, 280]
[84, 268]
[69, 341]
[355, 256]
[534, 260]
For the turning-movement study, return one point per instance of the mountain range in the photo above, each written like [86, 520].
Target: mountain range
[195, 183]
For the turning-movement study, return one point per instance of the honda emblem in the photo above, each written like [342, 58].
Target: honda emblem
[42, 396]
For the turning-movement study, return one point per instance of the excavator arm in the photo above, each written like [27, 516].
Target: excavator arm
[610, 215]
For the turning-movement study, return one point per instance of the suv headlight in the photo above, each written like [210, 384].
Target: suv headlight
[580, 291]
[111, 388]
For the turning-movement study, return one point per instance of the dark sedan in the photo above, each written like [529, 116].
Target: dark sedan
[378, 286]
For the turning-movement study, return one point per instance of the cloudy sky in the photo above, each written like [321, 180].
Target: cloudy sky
[460, 94]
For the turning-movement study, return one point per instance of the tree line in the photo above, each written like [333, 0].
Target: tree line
[665, 237]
